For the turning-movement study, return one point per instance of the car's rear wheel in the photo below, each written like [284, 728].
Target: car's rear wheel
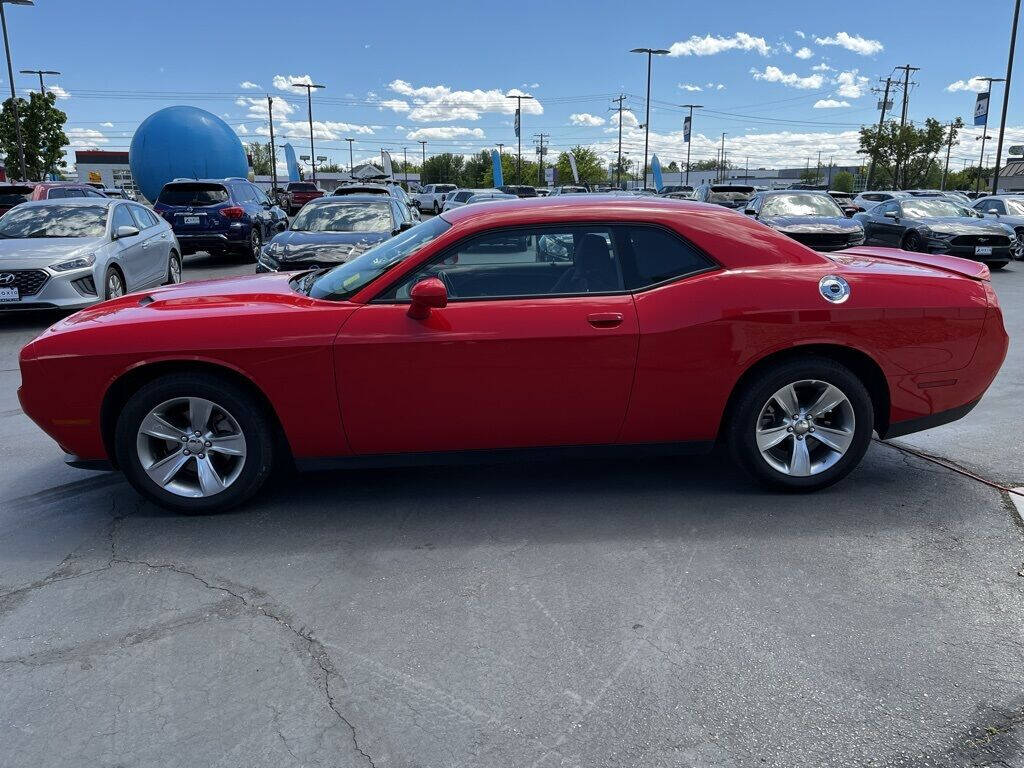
[437, 208]
[912, 242]
[194, 442]
[255, 244]
[173, 269]
[113, 284]
[801, 425]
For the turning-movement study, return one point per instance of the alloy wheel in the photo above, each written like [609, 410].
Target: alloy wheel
[255, 243]
[115, 286]
[1017, 246]
[805, 428]
[191, 447]
[174, 270]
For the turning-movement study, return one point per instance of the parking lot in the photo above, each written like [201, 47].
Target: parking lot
[635, 613]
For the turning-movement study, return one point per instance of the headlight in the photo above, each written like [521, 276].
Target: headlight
[942, 235]
[79, 262]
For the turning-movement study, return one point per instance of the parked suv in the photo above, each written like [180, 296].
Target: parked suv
[13, 193]
[220, 215]
[298, 193]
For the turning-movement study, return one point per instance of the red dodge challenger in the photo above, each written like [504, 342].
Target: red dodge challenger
[594, 323]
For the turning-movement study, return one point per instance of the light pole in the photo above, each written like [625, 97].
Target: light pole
[405, 164]
[1006, 98]
[519, 133]
[689, 141]
[273, 152]
[423, 148]
[10, 77]
[40, 72]
[647, 120]
[351, 167]
[309, 109]
[981, 161]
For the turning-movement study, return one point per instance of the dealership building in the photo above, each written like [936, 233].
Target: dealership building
[100, 166]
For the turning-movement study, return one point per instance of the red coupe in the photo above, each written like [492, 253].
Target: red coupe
[595, 323]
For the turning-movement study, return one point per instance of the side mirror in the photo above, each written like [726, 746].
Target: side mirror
[891, 215]
[426, 295]
[994, 211]
[125, 231]
[405, 225]
[750, 212]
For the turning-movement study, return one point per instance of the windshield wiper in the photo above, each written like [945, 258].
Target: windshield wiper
[307, 280]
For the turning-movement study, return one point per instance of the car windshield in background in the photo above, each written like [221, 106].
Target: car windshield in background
[731, 196]
[920, 208]
[800, 205]
[345, 279]
[14, 195]
[55, 221]
[344, 217]
[1015, 207]
[196, 195]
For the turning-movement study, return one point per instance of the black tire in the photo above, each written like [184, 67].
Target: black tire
[912, 242]
[113, 274]
[171, 261]
[995, 266]
[254, 246]
[437, 208]
[255, 425]
[756, 393]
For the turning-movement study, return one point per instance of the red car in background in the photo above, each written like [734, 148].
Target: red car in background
[15, 192]
[298, 193]
[584, 323]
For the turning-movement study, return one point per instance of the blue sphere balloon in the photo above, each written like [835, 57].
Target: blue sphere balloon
[184, 142]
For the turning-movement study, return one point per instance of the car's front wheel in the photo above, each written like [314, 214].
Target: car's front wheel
[801, 425]
[113, 284]
[194, 442]
[912, 241]
[437, 208]
[173, 269]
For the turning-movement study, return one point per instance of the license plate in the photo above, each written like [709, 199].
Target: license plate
[983, 250]
[9, 294]
[191, 219]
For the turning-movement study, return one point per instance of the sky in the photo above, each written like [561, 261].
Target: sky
[783, 80]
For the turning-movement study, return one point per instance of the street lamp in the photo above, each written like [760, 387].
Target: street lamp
[40, 72]
[519, 133]
[10, 77]
[1006, 97]
[309, 108]
[351, 167]
[981, 160]
[647, 120]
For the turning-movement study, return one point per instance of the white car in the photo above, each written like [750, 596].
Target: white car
[868, 199]
[432, 197]
[67, 254]
[460, 197]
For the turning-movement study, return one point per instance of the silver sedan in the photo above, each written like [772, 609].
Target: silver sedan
[69, 253]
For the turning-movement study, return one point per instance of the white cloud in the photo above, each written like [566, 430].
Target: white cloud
[709, 45]
[249, 85]
[821, 67]
[790, 79]
[106, 125]
[59, 92]
[531, 85]
[851, 85]
[441, 132]
[855, 43]
[85, 138]
[804, 53]
[628, 120]
[975, 84]
[799, 34]
[439, 103]
[787, 47]
[830, 104]
[327, 130]
[395, 105]
[241, 129]
[720, 86]
[287, 82]
[689, 87]
[585, 118]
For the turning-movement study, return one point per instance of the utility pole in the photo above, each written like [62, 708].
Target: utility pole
[721, 161]
[691, 107]
[907, 69]
[618, 168]
[309, 109]
[881, 122]
[351, 165]
[273, 153]
[817, 170]
[14, 98]
[405, 164]
[500, 147]
[830, 159]
[651, 52]
[984, 130]
[949, 146]
[540, 153]
[423, 147]
[40, 72]
[519, 133]
[1006, 98]
[981, 161]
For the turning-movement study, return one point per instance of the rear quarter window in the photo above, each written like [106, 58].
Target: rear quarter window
[651, 255]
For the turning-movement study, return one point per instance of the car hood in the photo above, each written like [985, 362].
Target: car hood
[956, 225]
[323, 246]
[813, 224]
[33, 253]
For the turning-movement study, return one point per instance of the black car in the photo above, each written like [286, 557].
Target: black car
[331, 230]
[727, 195]
[519, 190]
[220, 215]
[931, 225]
[812, 218]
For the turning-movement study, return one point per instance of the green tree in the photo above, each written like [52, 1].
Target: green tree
[476, 171]
[672, 167]
[590, 167]
[442, 169]
[328, 168]
[259, 157]
[843, 181]
[508, 171]
[42, 131]
[710, 164]
[907, 156]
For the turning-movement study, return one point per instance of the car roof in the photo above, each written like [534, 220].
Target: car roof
[82, 201]
[794, 192]
[355, 197]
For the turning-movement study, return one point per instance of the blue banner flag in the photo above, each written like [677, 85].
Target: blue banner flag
[656, 173]
[293, 164]
[981, 109]
[517, 123]
[499, 178]
[686, 129]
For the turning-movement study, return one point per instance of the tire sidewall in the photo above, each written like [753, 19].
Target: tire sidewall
[742, 426]
[112, 270]
[174, 257]
[245, 409]
[912, 241]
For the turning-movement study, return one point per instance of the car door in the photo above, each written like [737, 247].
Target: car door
[129, 252]
[879, 229]
[155, 244]
[529, 351]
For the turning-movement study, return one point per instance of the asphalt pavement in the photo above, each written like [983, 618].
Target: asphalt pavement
[610, 613]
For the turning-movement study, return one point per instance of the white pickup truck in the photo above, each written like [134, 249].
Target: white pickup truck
[432, 197]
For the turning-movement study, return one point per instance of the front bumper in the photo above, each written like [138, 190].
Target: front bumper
[74, 289]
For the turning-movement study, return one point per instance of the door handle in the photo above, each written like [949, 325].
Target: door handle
[146, 244]
[605, 319]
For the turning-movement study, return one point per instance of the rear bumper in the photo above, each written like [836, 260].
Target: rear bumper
[901, 428]
[236, 237]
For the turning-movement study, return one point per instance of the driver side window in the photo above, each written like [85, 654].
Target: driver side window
[884, 208]
[514, 263]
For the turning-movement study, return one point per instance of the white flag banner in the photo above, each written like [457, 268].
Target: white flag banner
[575, 172]
[388, 168]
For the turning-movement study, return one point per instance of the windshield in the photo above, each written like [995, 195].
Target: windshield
[14, 195]
[727, 197]
[302, 187]
[193, 194]
[55, 221]
[345, 279]
[800, 205]
[922, 207]
[344, 217]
